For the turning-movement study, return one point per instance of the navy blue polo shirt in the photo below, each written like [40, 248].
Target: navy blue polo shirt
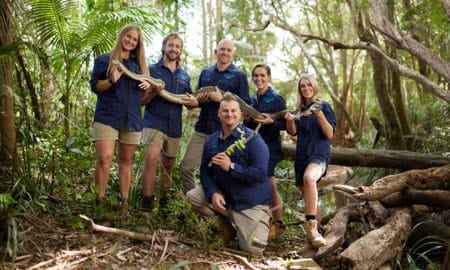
[233, 80]
[161, 114]
[121, 103]
[248, 184]
[270, 102]
[311, 142]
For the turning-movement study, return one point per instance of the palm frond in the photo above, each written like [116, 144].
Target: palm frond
[54, 20]
[104, 27]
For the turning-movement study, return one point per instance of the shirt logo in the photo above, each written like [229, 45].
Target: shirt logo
[268, 99]
[229, 76]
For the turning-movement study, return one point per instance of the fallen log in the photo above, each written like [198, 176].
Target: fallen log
[403, 160]
[380, 245]
[335, 235]
[431, 198]
[414, 179]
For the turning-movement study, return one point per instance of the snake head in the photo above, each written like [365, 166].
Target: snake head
[315, 107]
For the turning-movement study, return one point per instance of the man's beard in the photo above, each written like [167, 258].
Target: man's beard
[170, 57]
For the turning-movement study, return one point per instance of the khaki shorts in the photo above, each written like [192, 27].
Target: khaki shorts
[168, 145]
[104, 132]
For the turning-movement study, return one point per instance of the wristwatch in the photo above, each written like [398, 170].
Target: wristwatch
[231, 166]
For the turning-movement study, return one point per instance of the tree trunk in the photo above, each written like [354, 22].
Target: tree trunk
[395, 80]
[204, 37]
[218, 21]
[438, 64]
[394, 135]
[7, 119]
[404, 160]
[31, 89]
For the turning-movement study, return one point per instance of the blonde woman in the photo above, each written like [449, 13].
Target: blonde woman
[314, 132]
[117, 116]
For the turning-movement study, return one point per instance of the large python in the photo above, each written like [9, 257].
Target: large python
[178, 98]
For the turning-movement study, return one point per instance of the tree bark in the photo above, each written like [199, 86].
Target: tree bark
[380, 245]
[395, 81]
[431, 198]
[31, 88]
[414, 179]
[404, 160]
[7, 119]
[335, 236]
[394, 135]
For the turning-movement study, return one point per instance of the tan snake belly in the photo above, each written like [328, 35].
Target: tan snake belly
[178, 98]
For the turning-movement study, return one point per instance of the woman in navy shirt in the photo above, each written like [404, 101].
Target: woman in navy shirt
[266, 101]
[312, 156]
[117, 114]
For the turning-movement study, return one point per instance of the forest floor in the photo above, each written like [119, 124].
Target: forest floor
[54, 243]
[63, 240]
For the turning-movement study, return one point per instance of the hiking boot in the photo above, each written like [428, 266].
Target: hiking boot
[277, 227]
[313, 235]
[147, 203]
[226, 231]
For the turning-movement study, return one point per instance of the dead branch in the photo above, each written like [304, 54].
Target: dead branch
[258, 28]
[335, 235]
[241, 259]
[414, 179]
[431, 198]
[392, 63]
[133, 235]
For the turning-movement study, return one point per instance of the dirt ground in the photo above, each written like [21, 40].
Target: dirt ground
[65, 241]
[54, 243]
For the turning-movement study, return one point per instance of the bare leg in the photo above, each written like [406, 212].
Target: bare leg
[312, 174]
[125, 160]
[105, 153]
[167, 164]
[149, 170]
[310, 177]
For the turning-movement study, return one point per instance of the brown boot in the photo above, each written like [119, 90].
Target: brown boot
[226, 230]
[313, 235]
[277, 228]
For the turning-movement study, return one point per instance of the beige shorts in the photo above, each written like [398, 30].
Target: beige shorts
[104, 132]
[168, 145]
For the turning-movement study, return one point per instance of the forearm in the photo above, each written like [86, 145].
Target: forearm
[326, 127]
[147, 97]
[290, 127]
[103, 85]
